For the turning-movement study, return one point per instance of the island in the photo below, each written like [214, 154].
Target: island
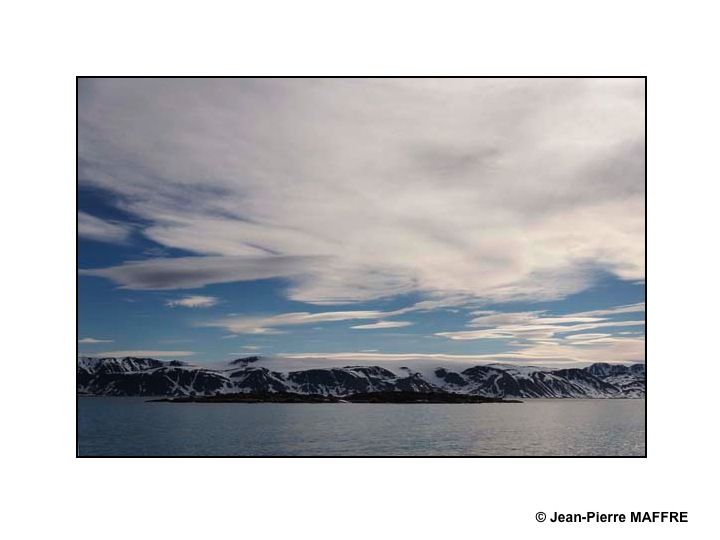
[363, 397]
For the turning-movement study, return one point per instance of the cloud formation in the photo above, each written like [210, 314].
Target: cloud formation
[537, 336]
[94, 228]
[89, 340]
[195, 301]
[381, 324]
[536, 325]
[619, 310]
[260, 324]
[141, 354]
[194, 272]
[628, 352]
[270, 324]
[354, 190]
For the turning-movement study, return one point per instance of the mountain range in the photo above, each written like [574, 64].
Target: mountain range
[131, 376]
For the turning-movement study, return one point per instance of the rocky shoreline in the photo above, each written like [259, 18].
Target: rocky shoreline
[364, 397]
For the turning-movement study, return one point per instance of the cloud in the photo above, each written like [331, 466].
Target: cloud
[358, 189]
[193, 302]
[89, 340]
[94, 228]
[623, 352]
[609, 350]
[142, 354]
[586, 337]
[381, 324]
[632, 308]
[194, 272]
[259, 324]
[269, 324]
[526, 317]
[537, 335]
[392, 357]
[536, 329]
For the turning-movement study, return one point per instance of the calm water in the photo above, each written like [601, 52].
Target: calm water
[575, 427]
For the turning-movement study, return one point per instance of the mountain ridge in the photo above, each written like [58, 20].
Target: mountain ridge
[130, 376]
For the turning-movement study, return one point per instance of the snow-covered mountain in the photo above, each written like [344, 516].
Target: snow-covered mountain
[150, 377]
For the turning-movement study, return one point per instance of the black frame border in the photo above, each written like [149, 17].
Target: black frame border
[77, 277]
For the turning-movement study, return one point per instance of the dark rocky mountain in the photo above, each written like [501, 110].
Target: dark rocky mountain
[149, 377]
[151, 380]
[257, 379]
[503, 380]
[354, 379]
[602, 369]
[119, 365]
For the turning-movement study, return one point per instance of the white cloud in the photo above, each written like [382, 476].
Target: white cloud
[611, 350]
[89, 340]
[142, 354]
[94, 228]
[632, 308]
[538, 325]
[621, 352]
[360, 189]
[538, 330]
[535, 335]
[269, 325]
[389, 357]
[193, 302]
[381, 324]
[586, 337]
[527, 317]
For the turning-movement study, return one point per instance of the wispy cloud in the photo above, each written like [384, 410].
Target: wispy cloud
[619, 310]
[141, 353]
[539, 330]
[193, 302]
[586, 337]
[540, 336]
[269, 325]
[94, 228]
[531, 325]
[381, 324]
[90, 340]
[195, 272]
[627, 350]
[534, 205]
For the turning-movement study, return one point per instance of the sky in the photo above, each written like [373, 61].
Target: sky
[453, 220]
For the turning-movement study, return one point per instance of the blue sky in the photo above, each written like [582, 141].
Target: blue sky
[470, 220]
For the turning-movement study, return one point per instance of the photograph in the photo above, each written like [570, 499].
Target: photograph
[319, 270]
[361, 266]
